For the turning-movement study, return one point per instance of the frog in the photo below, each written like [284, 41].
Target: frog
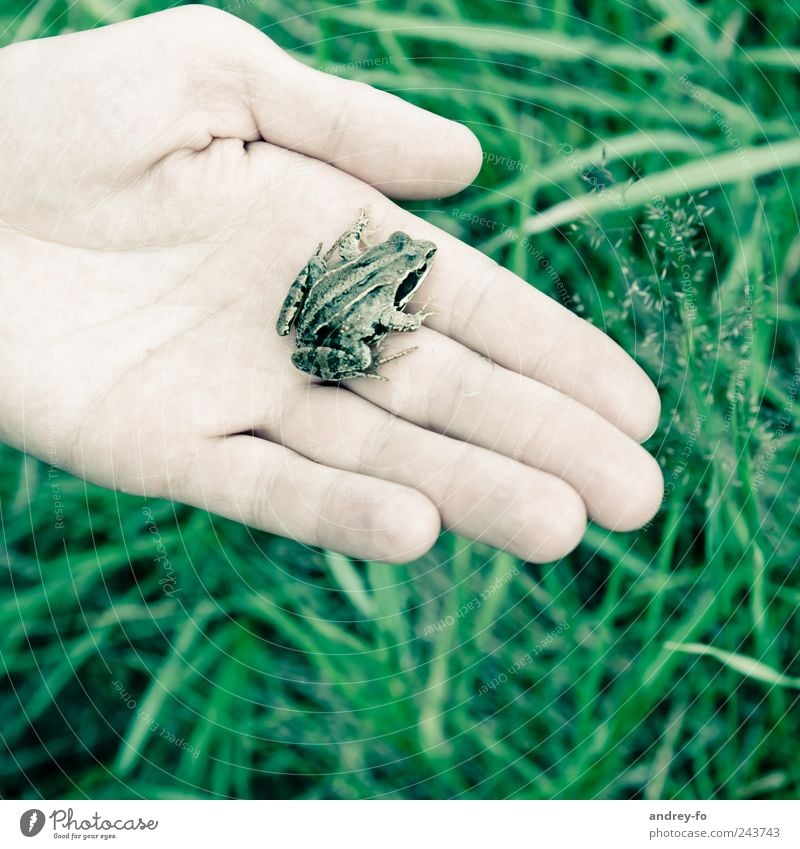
[345, 302]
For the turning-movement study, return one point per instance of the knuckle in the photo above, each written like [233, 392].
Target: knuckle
[206, 14]
[457, 469]
[444, 404]
[375, 447]
[257, 507]
[540, 415]
[347, 119]
[463, 381]
[477, 288]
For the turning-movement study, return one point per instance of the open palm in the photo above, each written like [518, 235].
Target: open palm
[162, 182]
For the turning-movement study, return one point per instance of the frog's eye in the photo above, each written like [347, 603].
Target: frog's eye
[398, 238]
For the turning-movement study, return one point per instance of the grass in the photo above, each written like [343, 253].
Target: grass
[641, 165]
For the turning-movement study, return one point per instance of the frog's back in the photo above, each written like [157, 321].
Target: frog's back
[338, 293]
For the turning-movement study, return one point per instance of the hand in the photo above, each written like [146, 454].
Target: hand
[164, 180]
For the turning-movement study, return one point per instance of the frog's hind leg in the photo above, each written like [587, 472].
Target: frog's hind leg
[296, 296]
[376, 363]
[348, 245]
[333, 363]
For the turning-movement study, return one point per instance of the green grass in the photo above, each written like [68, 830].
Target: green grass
[657, 664]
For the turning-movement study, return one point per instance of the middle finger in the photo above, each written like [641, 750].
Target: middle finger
[450, 389]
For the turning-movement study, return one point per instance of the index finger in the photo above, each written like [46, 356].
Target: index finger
[496, 313]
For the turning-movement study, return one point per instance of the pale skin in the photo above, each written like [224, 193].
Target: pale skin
[162, 181]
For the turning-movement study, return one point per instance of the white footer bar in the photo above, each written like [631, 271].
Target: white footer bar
[401, 824]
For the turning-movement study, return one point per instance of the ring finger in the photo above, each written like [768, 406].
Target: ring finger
[479, 493]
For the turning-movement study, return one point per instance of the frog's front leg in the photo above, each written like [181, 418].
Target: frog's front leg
[331, 363]
[296, 296]
[348, 245]
[403, 322]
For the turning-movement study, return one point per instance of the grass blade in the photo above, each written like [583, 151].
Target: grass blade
[747, 666]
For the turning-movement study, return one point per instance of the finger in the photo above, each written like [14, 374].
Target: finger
[478, 493]
[199, 75]
[499, 315]
[448, 388]
[404, 151]
[271, 488]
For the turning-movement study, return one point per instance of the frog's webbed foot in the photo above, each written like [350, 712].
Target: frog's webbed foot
[396, 356]
[372, 375]
[335, 364]
[424, 312]
[348, 245]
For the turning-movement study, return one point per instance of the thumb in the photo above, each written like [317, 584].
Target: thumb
[404, 151]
